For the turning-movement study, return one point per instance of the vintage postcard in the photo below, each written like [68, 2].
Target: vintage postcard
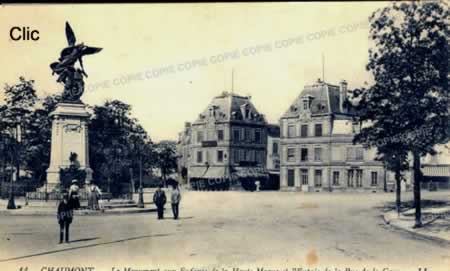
[295, 136]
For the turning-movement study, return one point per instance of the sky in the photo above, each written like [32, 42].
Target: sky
[169, 60]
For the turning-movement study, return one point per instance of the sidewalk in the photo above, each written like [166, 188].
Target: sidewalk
[42, 208]
[436, 223]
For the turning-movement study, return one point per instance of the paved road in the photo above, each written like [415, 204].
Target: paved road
[236, 229]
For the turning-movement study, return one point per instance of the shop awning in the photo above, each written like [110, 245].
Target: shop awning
[249, 172]
[206, 173]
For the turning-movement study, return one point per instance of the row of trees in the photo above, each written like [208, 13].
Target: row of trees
[407, 110]
[118, 144]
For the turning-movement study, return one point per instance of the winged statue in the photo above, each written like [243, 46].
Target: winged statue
[68, 74]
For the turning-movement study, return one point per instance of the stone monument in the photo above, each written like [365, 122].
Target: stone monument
[70, 118]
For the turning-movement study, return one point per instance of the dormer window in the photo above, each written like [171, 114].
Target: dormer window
[246, 111]
[305, 104]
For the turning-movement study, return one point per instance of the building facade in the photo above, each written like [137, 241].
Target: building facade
[225, 147]
[317, 152]
[273, 156]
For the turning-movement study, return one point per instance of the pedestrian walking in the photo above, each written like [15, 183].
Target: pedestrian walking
[175, 199]
[65, 216]
[159, 198]
[74, 200]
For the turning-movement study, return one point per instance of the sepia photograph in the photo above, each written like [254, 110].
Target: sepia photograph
[265, 136]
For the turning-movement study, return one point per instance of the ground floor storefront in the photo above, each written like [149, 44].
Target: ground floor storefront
[332, 178]
[230, 178]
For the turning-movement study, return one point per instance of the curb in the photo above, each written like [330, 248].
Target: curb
[77, 212]
[439, 240]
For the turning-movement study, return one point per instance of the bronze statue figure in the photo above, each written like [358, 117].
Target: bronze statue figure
[72, 77]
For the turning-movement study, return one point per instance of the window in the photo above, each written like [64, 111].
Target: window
[220, 156]
[355, 154]
[291, 177]
[249, 155]
[305, 104]
[236, 158]
[359, 154]
[199, 157]
[374, 178]
[291, 154]
[247, 112]
[304, 176]
[275, 148]
[199, 136]
[291, 131]
[359, 174]
[318, 178]
[318, 129]
[317, 154]
[304, 154]
[248, 134]
[241, 155]
[236, 135]
[304, 130]
[335, 177]
[220, 135]
[350, 178]
[257, 136]
[243, 134]
[260, 157]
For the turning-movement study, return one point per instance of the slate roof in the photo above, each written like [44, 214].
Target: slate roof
[229, 107]
[273, 130]
[325, 100]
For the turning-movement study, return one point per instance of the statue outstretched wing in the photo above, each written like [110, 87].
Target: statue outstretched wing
[90, 50]
[70, 35]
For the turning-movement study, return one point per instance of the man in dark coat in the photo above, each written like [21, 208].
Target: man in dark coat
[65, 216]
[159, 198]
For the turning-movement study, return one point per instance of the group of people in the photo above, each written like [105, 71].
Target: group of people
[159, 198]
[71, 201]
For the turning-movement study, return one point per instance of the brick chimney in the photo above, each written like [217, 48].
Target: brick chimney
[342, 94]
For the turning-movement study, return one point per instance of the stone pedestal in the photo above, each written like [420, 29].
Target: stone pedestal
[69, 134]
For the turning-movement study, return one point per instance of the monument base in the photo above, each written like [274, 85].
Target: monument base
[69, 137]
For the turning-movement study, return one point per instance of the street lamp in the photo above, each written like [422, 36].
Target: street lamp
[11, 201]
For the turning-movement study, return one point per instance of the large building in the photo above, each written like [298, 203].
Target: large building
[225, 147]
[317, 152]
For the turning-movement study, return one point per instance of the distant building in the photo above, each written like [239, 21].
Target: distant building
[273, 156]
[436, 168]
[317, 152]
[225, 147]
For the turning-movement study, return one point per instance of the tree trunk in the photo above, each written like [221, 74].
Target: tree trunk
[398, 181]
[385, 178]
[417, 180]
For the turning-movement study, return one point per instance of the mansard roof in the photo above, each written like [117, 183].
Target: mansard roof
[324, 99]
[231, 107]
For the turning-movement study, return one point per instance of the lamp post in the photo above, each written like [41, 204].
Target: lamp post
[11, 200]
[141, 189]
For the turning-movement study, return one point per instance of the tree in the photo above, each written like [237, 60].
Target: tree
[117, 142]
[410, 97]
[16, 115]
[166, 158]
